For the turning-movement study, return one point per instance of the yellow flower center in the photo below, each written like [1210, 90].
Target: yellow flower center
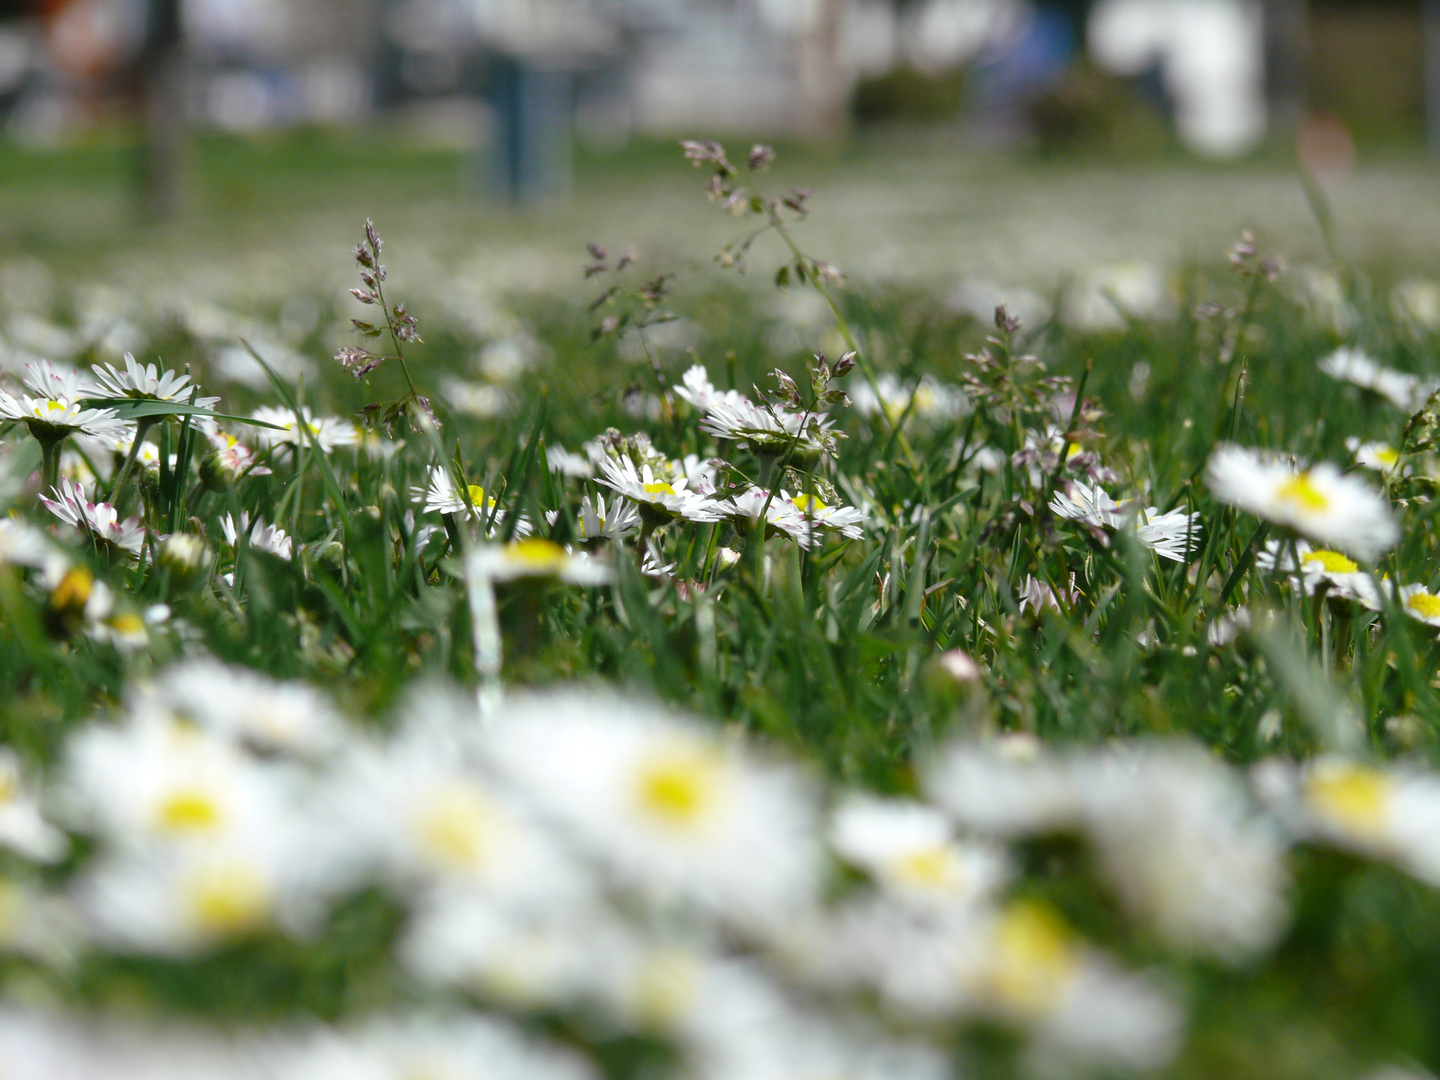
[1332, 562]
[808, 504]
[664, 988]
[128, 624]
[1300, 492]
[1353, 796]
[1426, 605]
[477, 497]
[1387, 455]
[659, 487]
[189, 812]
[227, 898]
[456, 826]
[932, 869]
[9, 786]
[534, 553]
[50, 408]
[74, 589]
[679, 788]
[1033, 959]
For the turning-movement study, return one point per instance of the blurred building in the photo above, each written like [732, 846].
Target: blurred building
[1223, 70]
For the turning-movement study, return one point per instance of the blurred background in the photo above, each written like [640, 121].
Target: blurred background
[952, 137]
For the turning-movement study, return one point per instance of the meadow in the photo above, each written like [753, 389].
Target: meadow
[430, 659]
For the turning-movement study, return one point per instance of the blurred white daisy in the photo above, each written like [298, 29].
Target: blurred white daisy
[536, 558]
[250, 709]
[1378, 456]
[1183, 847]
[566, 463]
[1400, 388]
[327, 432]
[1320, 503]
[98, 520]
[662, 803]
[928, 400]
[1386, 811]
[23, 829]
[912, 852]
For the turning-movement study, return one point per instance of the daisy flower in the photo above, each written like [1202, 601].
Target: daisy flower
[1320, 503]
[1420, 603]
[1400, 388]
[733, 416]
[147, 382]
[52, 419]
[1379, 456]
[665, 498]
[932, 400]
[99, 520]
[662, 802]
[913, 854]
[229, 460]
[22, 828]
[441, 497]
[599, 523]
[1320, 568]
[327, 432]
[780, 513]
[268, 538]
[1386, 811]
[1170, 535]
[846, 520]
[536, 558]
[566, 463]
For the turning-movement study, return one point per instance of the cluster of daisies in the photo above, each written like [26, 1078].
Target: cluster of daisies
[599, 857]
[1328, 527]
[649, 490]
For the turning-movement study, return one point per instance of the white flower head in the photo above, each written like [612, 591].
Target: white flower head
[733, 416]
[1420, 603]
[23, 829]
[99, 520]
[50, 419]
[1173, 535]
[599, 522]
[270, 539]
[536, 558]
[1321, 569]
[662, 803]
[1320, 503]
[1390, 812]
[1400, 388]
[667, 498]
[912, 852]
[1377, 456]
[250, 710]
[441, 496]
[1183, 847]
[326, 432]
[147, 382]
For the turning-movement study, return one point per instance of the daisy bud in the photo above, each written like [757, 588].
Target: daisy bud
[186, 556]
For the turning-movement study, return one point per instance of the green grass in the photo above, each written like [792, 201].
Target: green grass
[831, 653]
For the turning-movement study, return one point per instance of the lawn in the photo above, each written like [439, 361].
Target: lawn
[783, 664]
